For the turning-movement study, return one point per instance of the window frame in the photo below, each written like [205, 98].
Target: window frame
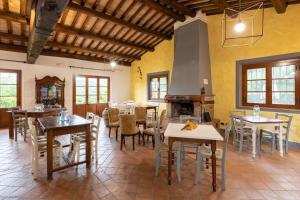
[164, 74]
[87, 89]
[268, 66]
[19, 85]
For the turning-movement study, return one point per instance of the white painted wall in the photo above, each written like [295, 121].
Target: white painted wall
[55, 66]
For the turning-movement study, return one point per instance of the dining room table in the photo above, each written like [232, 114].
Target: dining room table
[54, 126]
[203, 134]
[258, 122]
[33, 113]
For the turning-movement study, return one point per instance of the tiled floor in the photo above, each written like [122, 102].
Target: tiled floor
[130, 175]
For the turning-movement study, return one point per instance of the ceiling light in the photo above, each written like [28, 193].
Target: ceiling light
[240, 26]
[113, 64]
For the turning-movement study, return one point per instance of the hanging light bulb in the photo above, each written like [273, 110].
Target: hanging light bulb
[240, 26]
[113, 64]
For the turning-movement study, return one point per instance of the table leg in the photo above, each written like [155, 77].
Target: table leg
[10, 126]
[155, 111]
[49, 154]
[170, 142]
[88, 146]
[280, 140]
[254, 129]
[214, 165]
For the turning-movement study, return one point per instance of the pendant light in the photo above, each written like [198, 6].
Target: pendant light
[240, 26]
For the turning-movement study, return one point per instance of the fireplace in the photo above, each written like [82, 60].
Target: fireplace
[194, 105]
[182, 108]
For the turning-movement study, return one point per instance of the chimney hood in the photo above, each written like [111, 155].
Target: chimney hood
[191, 69]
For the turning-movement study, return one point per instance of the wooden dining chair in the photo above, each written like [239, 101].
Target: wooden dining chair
[243, 134]
[141, 116]
[149, 132]
[205, 153]
[265, 134]
[161, 152]
[39, 148]
[239, 113]
[128, 128]
[80, 140]
[20, 123]
[113, 120]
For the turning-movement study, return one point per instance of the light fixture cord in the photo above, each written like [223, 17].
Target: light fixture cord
[240, 8]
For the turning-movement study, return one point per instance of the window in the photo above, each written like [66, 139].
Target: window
[10, 88]
[158, 86]
[272, 84]
[91, 89]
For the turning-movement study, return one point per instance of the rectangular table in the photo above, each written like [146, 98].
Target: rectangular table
[54, 127]
[256, 122]
[203, 134]
[34, 114]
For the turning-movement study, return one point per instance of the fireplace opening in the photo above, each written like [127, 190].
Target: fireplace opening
[182, 108]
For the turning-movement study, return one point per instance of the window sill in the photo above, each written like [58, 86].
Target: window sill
[282, 110]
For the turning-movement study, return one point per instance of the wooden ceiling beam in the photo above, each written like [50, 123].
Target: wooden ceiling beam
[47, 14]
[222, 5]
[12, 17]
[82, 57]
[180, 7]
[23, 49]
[69, 47]
[279, 5]
[91, 51]
[156, 6]
[115, 20]
[77, 32]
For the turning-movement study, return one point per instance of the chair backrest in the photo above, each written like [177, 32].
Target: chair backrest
[33, 133]
[185, 118]
[90, 116]
[113, 115]
[289, 118]
[95, 127]
[140, 113]
[226, 136]
[157, 135]
[237, 125]
[128, 124]
[163, 118]
[20, 118]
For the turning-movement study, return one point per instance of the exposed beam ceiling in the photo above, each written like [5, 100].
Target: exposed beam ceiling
[69, 47]
[222, 5]
[23, 49]
[47, 13]
[85, 34]
[180, 7]
[116, 20]
[12, 17]
[166, 11]
[77, 32]
[279, 5]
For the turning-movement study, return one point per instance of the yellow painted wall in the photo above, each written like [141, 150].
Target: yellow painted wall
[159, 60]
[281, 36]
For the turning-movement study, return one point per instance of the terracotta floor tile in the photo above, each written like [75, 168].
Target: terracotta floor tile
[130, 175]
